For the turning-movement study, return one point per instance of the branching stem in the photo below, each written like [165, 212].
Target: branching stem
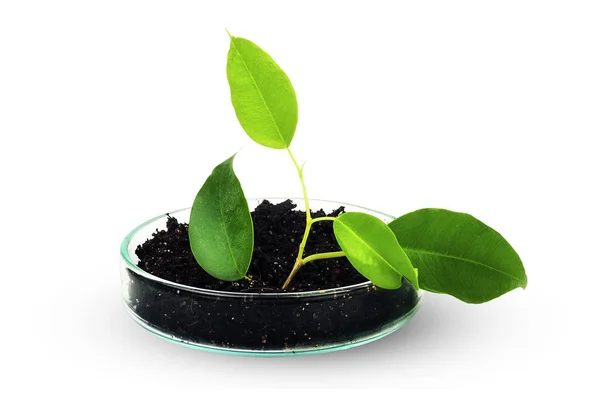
[309, 221]
[319, 256]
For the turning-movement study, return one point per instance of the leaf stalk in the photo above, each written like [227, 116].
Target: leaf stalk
[323, 256]
[319, 219]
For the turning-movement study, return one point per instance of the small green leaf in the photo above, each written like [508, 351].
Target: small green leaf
[371, 247]
[262, 95]
[221, 230]
[459, 255]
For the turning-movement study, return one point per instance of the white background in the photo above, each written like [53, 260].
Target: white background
[113, 112]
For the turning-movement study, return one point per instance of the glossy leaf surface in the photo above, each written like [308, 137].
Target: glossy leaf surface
[262, 95]
[459, 255]
[371, 247]
[221, 230]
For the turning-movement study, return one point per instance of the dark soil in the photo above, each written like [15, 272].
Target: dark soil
[278, 230]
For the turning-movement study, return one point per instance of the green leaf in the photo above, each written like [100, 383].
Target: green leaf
[221, 230]
[262, 95]
[371, 247]
[459, 255]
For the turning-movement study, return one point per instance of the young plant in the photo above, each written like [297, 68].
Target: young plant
[437, 250]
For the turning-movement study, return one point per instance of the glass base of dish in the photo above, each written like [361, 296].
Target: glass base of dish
[273, 353]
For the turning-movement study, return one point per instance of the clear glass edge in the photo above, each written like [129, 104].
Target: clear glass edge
[314, 293]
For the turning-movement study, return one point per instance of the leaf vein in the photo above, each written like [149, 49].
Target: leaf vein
[259, 93]
[223, 228]
[433, 253]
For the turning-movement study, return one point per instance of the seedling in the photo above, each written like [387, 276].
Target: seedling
[434, 249]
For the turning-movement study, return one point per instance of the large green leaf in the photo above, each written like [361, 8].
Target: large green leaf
[371, 247]
[459, 255]
[221, 230]
[262, 95]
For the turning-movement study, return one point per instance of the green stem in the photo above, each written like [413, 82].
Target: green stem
[298, 262]
[309, 221]
[323, 256]
[297, 266]
[323, 219]
[308, 217]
